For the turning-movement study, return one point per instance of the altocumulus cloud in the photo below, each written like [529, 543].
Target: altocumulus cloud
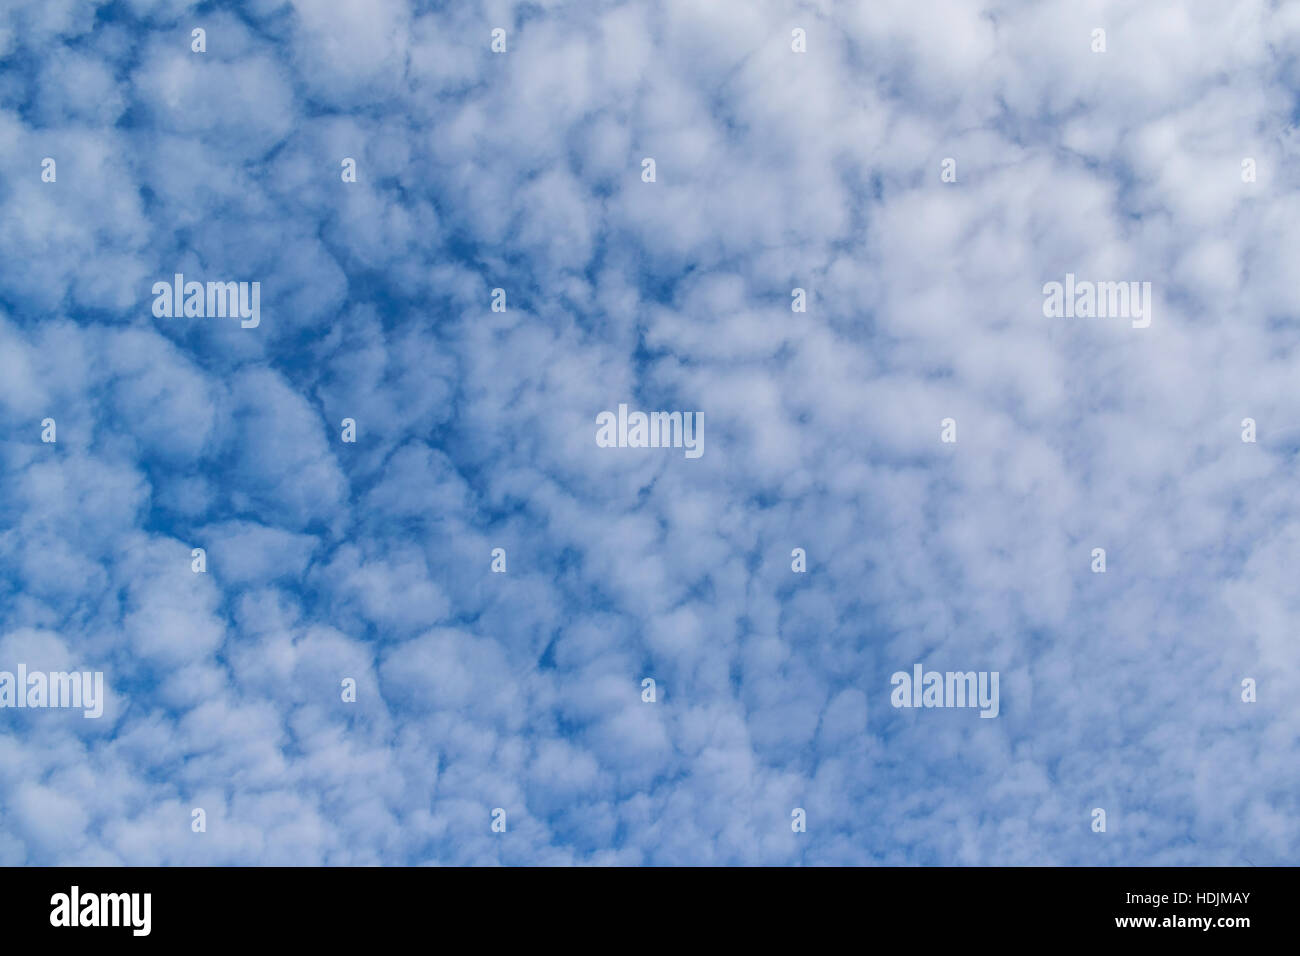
[775, 170]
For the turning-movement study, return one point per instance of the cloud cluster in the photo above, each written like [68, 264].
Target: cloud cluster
[522, 690]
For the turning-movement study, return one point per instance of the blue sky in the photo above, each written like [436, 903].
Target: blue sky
[775, 170]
